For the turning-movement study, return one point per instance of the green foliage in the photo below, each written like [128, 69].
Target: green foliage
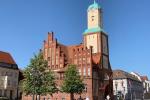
[72, 81]
[38, 79]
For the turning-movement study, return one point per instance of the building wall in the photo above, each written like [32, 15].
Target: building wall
[146, 86]
[92, 40]
[120, 85]
[94, 18]
[8, 82]
[128, 88]
[77, 55]
[85, 62]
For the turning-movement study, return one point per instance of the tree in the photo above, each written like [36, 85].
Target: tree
[72, 82]
[38, 80]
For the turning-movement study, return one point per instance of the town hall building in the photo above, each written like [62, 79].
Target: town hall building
[90, 57]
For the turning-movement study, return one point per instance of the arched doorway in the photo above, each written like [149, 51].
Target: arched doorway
[107, 91]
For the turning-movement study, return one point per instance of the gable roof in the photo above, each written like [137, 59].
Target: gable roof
[120, 74]
[6, 58]
[144, 78]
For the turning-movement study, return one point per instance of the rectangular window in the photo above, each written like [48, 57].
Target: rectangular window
[0, 92]
[88, 60]
[79, 71]
[49, 52]
[8, 82]
[63, 98]
[57, 60]
[75, 61]
[50, 42]
[14, 83]
[53, 56]
[85, 90]
[46, 53]
[61, 65]
[48, 58]
[84, 71]
[83, 59]
[89, 72]
[5, 93]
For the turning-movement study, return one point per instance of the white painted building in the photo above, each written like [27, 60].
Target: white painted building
[144, 80]
[127, 86]
[9, 75]
[146, 84]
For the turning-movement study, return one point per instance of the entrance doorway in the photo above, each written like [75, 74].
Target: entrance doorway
[11, 92]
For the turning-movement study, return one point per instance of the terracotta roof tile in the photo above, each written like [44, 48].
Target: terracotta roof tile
[6, 58]
[120, 74]
[144, 78]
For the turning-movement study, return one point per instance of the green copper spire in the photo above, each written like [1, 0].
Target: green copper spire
[95, 5]
[94, 1]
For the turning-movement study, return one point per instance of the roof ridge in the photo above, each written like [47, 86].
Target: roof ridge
[6, 57]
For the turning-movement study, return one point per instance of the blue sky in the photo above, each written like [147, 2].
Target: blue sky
[24, 25]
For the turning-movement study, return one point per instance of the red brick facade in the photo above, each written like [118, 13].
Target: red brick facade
[93, 67]
[97, 78]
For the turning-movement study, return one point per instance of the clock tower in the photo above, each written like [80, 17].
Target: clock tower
[94, 35]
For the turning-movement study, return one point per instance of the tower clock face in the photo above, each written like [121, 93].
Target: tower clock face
[92, 18]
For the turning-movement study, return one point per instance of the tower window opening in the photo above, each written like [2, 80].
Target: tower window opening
[92, 18]
[84, 71]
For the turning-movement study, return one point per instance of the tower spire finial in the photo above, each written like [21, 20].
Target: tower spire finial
[94, 1]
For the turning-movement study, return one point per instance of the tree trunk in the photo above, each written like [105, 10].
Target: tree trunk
[36, 97]
[33, 97]
[71, 96]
